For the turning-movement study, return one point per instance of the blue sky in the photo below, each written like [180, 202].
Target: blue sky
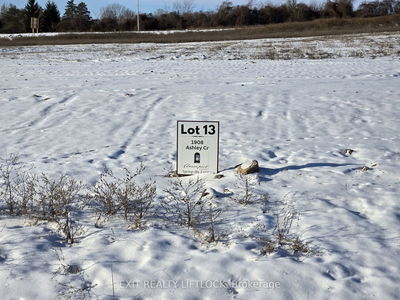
[148, 6]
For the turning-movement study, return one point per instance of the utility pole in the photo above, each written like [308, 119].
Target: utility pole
[138, 16]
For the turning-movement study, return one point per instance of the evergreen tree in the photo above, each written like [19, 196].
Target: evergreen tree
[32, 9]
[2, 10]
[51, 17]
[71, 10]
[82, 17]
[83, 11]
[11, 19]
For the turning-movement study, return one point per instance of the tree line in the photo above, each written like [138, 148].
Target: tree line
[116, 17]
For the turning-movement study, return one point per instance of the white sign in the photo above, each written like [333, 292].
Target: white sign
[198, 147]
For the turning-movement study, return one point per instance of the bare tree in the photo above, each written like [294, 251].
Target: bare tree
[183, 6]
[8, 171]
[213, 213]
[246, 191]
[113, 11]
[185, 202]
[112, 195]
[117, 17]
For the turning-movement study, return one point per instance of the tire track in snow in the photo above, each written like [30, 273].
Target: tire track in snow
[145, 122]
[279, 120]
[45, 112]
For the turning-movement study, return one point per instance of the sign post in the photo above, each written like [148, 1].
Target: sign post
[35, 25]
[197, 147]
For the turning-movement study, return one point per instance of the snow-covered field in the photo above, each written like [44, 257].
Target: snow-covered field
[78, 109]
